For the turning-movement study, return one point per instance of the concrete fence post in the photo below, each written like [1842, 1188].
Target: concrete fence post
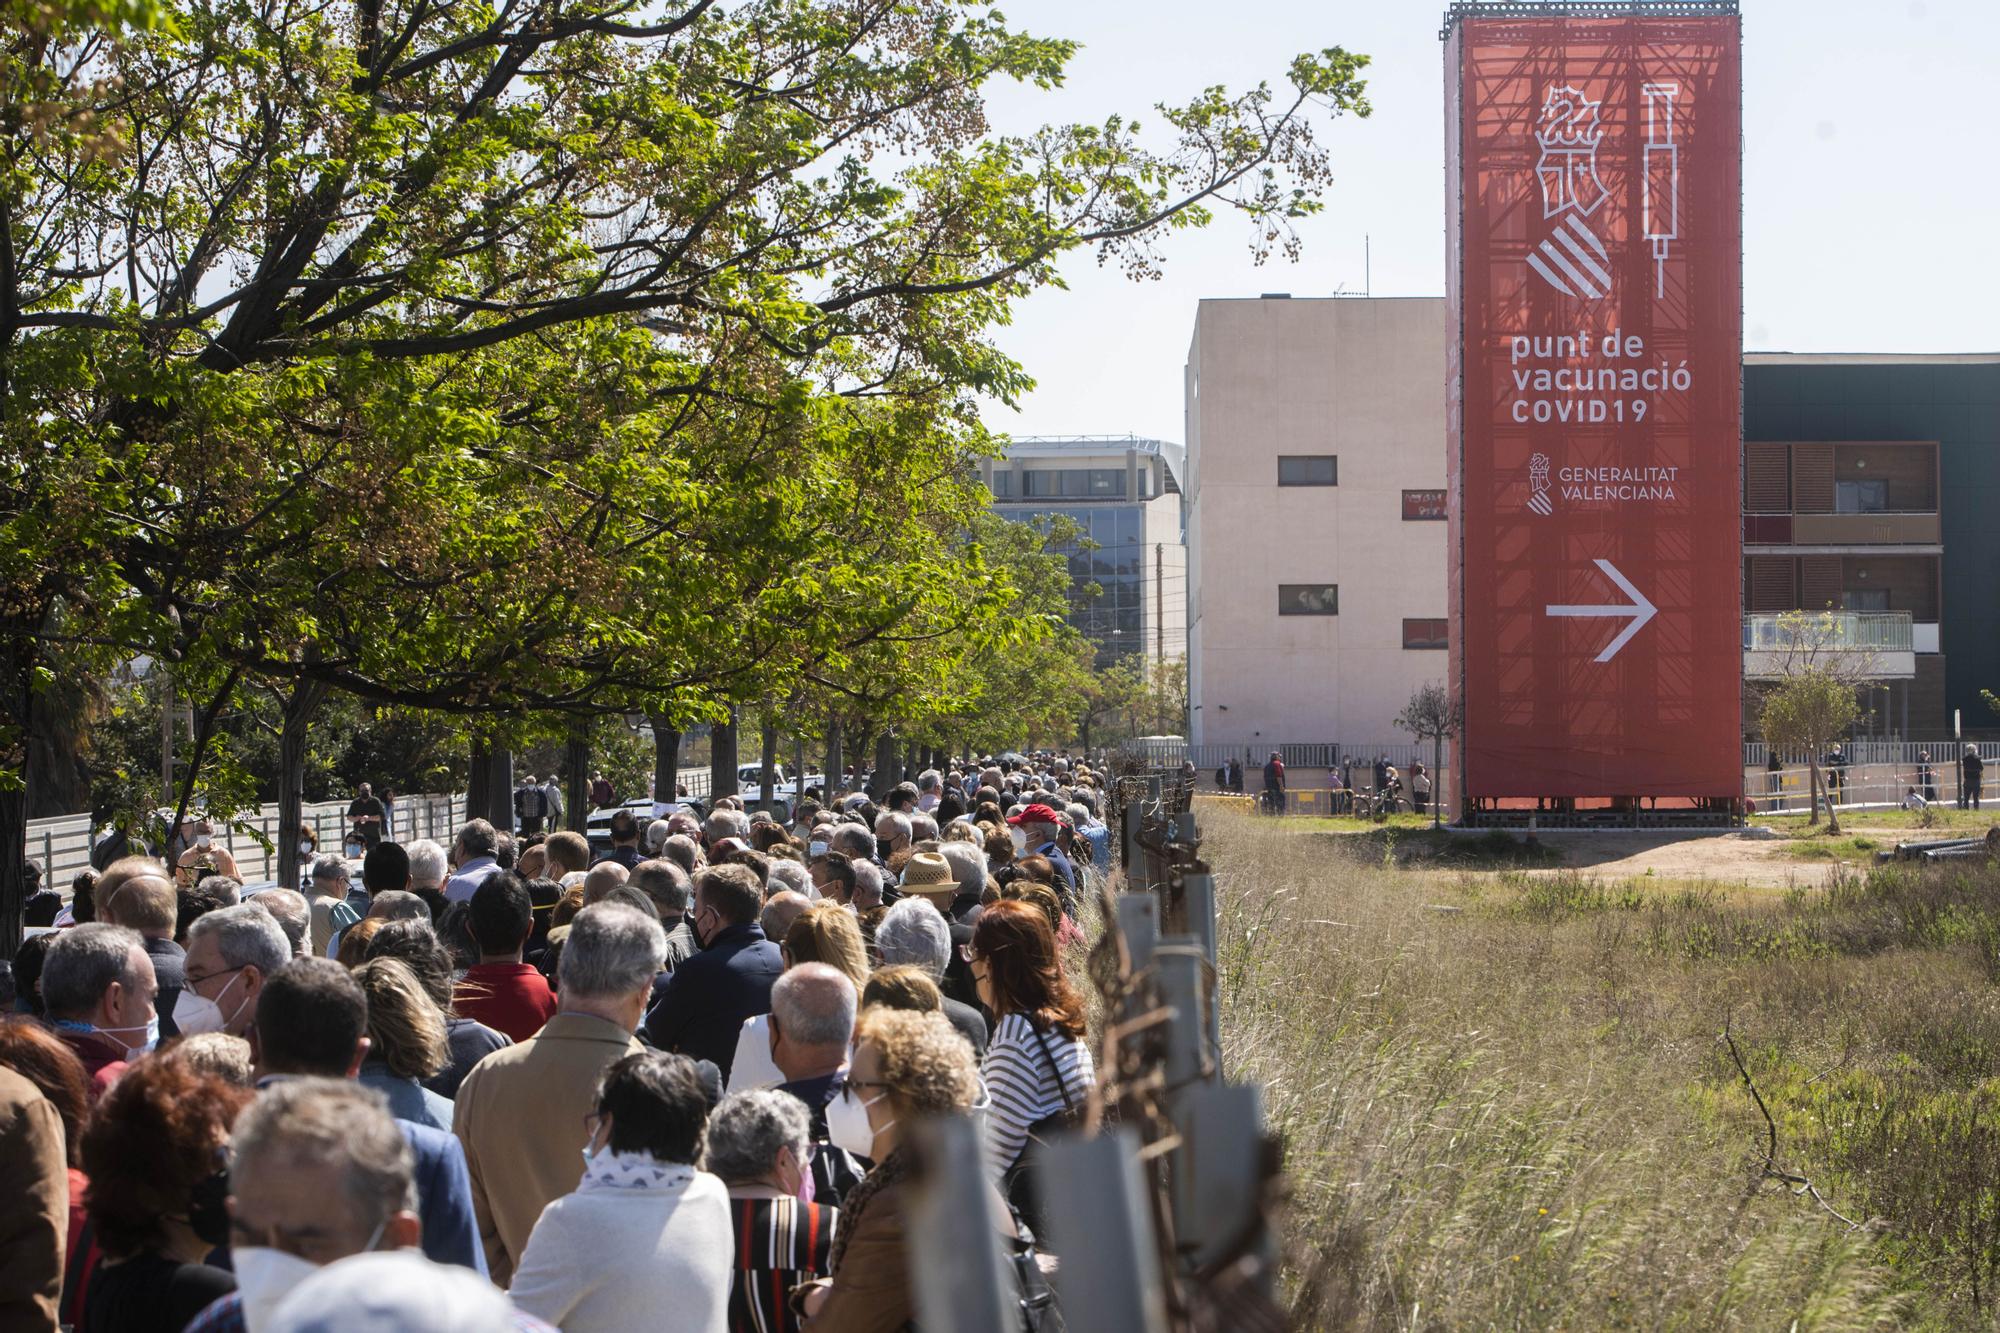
[1098, 1210]
[960, 1279]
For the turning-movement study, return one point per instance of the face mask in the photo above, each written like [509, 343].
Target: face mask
[1020, 839]
[201, 840]
[152, 1031]
[355, 851]
[807, 1190]
[818, 849]
[264, 1277]
[847, 1128]
[195, 1013]
[305, 848]
[208, 1214]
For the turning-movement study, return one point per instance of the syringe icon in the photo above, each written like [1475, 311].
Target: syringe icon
[1662, 178]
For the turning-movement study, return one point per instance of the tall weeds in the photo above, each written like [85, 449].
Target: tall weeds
[1505, 1105]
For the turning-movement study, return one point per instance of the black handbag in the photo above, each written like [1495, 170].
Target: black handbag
[1022, 1180]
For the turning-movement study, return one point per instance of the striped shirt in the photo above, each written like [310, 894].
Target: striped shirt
[1027, 1077]
[780, 1243]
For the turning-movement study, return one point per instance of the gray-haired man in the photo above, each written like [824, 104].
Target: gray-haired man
[520, 1112]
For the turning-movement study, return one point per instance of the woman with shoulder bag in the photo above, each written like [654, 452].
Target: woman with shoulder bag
[1038, 1067]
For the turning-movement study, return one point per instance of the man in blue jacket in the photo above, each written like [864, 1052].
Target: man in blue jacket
[316, 1025]
[702, 1009]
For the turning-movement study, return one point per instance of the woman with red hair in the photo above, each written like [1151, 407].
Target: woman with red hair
[1038, 1068]
[155, 1153]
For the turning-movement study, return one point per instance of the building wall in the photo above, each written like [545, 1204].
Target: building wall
[1362, 380]
[1954, 400]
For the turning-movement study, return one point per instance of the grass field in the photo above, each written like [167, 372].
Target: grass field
[1507, 1105]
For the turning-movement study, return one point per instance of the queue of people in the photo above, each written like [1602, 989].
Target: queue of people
[525, 1085]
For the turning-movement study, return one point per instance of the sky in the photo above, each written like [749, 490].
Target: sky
[1871, 184]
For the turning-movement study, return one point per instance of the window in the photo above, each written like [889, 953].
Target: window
[1865, 599]
[1308, 599]
[1426, 634]
[1423, 506]
[1308, 470]
[1003, 483]
[1860, 497]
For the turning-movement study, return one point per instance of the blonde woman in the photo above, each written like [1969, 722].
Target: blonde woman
[826, 933]
[406, 1042]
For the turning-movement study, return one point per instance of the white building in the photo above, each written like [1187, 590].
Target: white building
[1315, 519]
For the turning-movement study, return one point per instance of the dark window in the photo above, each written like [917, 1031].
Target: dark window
[1308, 599]
[1003, 483]
[1860, 497]
[1308, 470]
[1426, 634]
[1865, 599]
[1423, 506]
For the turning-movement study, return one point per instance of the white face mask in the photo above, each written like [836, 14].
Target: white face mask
[152, 1031]
[847, 1127]
[817, 848]
[201, 840]
[264, 1277]
[195, 1013]
[305, 848]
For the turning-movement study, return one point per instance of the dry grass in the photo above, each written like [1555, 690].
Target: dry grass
[1506, 1106]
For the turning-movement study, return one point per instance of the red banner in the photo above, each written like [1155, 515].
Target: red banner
[1595, 282]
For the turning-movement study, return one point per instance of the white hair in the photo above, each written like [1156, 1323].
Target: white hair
[790, 875]
[245, 935]
[427, 862]
[612, 950]
[913, 932]
[657, 834]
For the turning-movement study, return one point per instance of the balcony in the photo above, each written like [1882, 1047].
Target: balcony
[1914, 529]
[1888, 639]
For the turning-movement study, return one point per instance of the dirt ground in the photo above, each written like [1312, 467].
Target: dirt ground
[1742, 857]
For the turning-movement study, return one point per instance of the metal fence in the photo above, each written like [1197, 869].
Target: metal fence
[1787, 791]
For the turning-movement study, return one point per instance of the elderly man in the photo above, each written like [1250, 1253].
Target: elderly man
[868, 881]
[684, 850]
[98, 988]
[429, 866]
[702, 1009]
[854, 841]
[474, 851]
[520, 1112]
[724, 823]
[231, 954]
[657, 834]
[892, 833]
[1039, 825]
[204, 854]
[812, 1023]
[313, 1023]
[915, 932]
[292, 914]
[317, 1171]
[671, 890]
[141, 898]
[781, 909]
[332, 912]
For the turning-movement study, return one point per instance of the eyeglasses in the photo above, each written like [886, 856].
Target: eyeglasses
[851, 1089]
[192, 982]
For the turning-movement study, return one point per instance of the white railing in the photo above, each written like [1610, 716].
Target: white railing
[1838, 631]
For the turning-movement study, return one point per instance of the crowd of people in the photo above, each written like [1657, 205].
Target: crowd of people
[522, 1082]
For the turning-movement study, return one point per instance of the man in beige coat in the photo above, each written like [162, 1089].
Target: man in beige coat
[34, 1181]
[520, 1112]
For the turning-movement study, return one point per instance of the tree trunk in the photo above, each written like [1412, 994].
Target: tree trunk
[767, 776]
[1437, 780]
[835, 775]
[576, 797]
[13, 865]
[476, 774]
[887, 771]
[722, 759]
[1813, 791]
[576, 758]
[666, 761]
[500, 790]
[302, 705]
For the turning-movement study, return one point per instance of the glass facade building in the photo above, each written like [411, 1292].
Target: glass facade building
[1105, 487]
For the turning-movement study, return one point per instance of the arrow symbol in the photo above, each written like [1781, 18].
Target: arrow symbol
[1640, 610]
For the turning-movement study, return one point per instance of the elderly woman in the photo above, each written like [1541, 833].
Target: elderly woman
[907, 1067]
[757, 1144]
[1038, 1066]
[644, 1242]
[154, 1152]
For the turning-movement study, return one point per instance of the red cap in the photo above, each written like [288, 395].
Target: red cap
[1035, 814]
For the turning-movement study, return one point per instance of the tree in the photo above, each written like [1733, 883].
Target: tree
[337, 230]
[1433, 715]
[1811, 704]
